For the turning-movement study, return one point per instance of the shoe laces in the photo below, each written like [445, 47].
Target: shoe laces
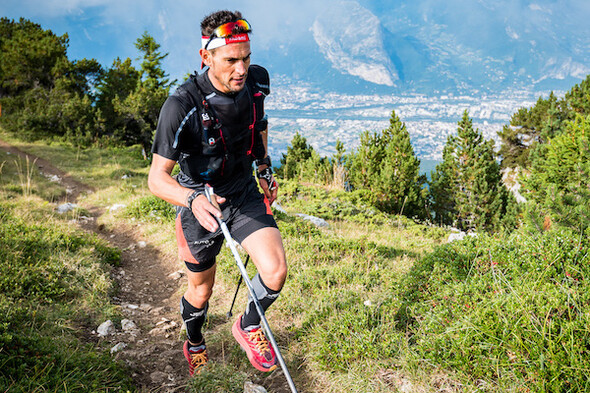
[199, 359]
[259, 339]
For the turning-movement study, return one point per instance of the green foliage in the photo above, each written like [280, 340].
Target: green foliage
[560, 177]
[118, 82]
[151, 208]
[30, 56]
[386, 165]
[297, 154]
[138, 111]
[218, 378]
[53, 281]
[466, 188]
[529, 127]
[42, 93]
[543, 121]
[508, 311]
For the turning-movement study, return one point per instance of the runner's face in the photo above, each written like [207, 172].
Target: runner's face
[228, 66]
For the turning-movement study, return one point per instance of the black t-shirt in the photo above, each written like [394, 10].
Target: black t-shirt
[220, 157]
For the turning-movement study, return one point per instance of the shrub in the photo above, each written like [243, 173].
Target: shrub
[506, 310]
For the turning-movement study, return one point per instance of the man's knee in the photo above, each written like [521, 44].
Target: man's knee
[202, 292]
[275, 273]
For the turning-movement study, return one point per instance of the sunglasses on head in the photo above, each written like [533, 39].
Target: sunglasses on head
[227, 30]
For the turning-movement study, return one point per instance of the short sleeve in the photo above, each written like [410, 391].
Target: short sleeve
[168, 129]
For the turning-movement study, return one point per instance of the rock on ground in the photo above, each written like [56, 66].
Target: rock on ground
[106, 328]
[249, 387]
[318, 222]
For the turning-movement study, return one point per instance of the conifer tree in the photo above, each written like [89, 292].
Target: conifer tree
[466, 187]
[559, 182]
[297, 153]
[400, 184]
[530, 127]
[118, 82]
[139, 110]
[365, 163]
[385, 164]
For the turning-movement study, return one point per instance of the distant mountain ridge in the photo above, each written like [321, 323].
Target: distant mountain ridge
[453, 46]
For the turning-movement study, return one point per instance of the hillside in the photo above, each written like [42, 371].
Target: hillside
[372, 304]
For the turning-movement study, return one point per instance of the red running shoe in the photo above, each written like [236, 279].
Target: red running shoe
[196, 355]
[253, 341]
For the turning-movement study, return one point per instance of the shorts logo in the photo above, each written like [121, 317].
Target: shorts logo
[206, 243]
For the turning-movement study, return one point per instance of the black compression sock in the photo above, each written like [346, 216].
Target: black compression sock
[193, 319]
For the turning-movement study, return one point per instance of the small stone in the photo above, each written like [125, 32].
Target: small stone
[130, 306]
[66, 207]
[141, 244]
[456, 236]
[176, 275]
[157, 331]
[158, 377]
[106, 328]
[318, 222]
[128, 325]
[279, 208]
[169, 369]
[118, 347]
[162, 321]
[157, 310]
[249, 387]
[145, 307]
[116, 207]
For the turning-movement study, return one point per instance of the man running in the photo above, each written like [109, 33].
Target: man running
[214, 127]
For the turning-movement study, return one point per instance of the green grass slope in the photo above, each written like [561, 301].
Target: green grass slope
[371, 303]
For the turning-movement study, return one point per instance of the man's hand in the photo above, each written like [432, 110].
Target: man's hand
[269, 186]
[206, 212]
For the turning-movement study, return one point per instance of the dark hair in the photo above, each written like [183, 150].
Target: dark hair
[218, 18]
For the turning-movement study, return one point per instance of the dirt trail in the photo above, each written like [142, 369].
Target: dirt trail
[149, 284]
[148, 295]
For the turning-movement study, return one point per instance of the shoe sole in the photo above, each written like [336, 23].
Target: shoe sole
[244, 345]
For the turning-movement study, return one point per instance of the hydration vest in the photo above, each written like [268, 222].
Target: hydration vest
[222, 150]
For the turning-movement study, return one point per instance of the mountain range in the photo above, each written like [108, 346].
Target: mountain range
[428, 46]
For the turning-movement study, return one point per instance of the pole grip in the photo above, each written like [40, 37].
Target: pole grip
[211, 197]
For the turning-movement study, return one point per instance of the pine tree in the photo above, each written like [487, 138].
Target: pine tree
[559, 182]
[365, 163]
[118, 81]
[466, 187]
[297, 153]
[385, 164]
[139, 110]
[530, 127]
[400, 184]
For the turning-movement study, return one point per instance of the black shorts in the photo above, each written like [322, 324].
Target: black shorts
[244, 214]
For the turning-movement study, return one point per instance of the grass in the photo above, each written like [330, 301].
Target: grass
[370, 301]
[54, 285]
[19, 177]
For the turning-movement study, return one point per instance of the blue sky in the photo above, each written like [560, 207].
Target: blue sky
[105, 29]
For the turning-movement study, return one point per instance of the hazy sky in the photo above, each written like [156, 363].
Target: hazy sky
[105, 29]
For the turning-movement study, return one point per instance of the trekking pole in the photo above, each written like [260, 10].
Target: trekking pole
[209, 194]
[229, 314]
